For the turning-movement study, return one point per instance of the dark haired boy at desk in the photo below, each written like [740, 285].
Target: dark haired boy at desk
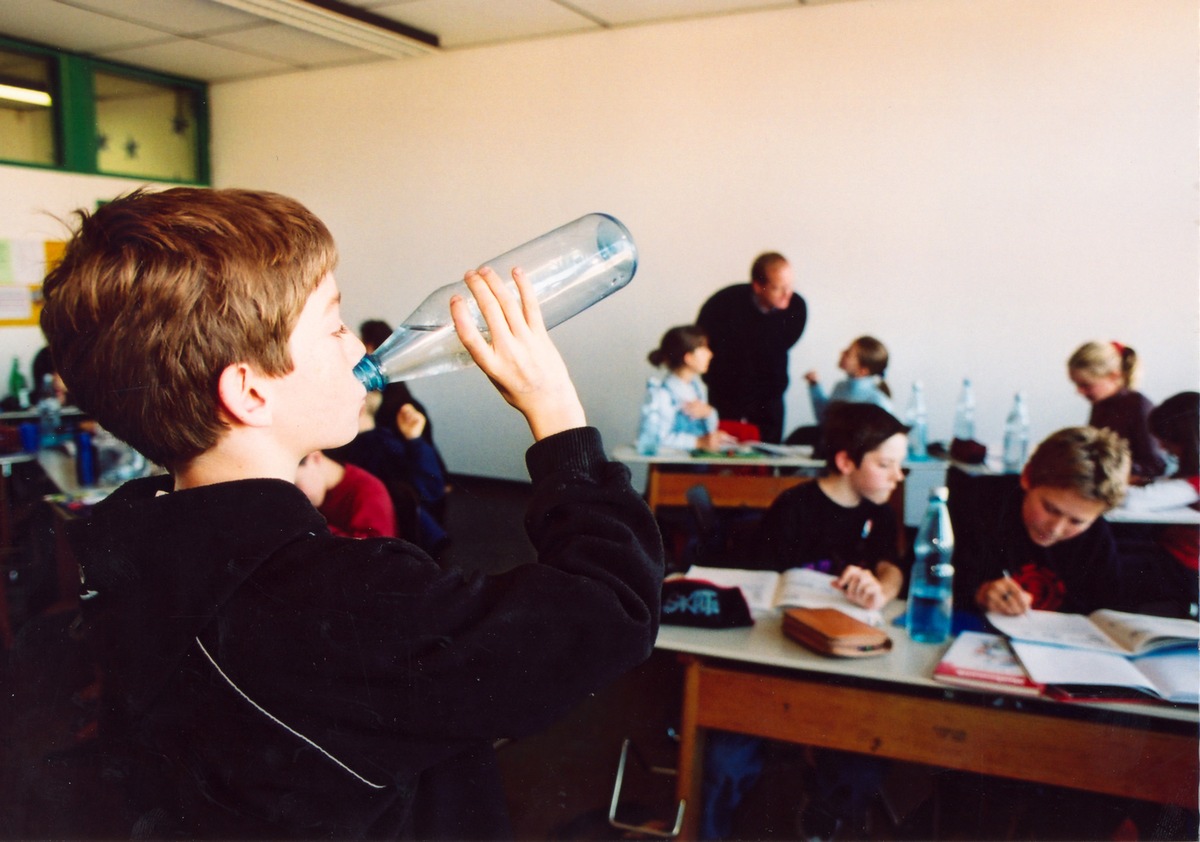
[1048, 546]
[839, 524]
[262, 677]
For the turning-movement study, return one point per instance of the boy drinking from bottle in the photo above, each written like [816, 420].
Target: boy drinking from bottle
[263, 677]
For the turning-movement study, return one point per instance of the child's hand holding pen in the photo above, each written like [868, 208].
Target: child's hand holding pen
[1004, 596]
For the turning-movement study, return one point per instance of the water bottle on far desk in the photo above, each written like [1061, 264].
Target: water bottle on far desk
[931, 590]
[1016, 435]
[49, 410]
[647, 437]
[569, 268]
[917, 419]
[964, 413]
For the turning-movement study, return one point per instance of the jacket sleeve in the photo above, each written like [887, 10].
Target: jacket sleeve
[819, 401]
[437, 655]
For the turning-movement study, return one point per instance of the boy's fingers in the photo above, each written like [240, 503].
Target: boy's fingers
[485, 285]
[468, 331]
[529, 303]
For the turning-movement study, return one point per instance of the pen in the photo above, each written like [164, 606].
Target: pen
[1007, 578]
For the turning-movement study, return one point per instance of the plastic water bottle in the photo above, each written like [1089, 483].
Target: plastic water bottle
[964, 413]
[917, 419]
[49, 410]
[931, 590]
[1016, 435]
[647, 438]
[570, 269]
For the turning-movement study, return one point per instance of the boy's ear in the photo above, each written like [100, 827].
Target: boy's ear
[1025, 478]
[242, 396]
[843, 462]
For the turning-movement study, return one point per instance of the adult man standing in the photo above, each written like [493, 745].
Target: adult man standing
[750, 329]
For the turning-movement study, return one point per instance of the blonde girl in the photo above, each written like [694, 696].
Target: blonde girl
[1105, 373]
[865, 360]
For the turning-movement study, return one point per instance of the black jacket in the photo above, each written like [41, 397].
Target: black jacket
[265, 678]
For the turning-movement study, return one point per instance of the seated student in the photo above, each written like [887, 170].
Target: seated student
[354, 503]
[374, 332]
[1049, 548]
[390, 446]
[1105, 374]
[864, 362]
[840, 524]
[263, 677]
[1167, 564]
[681, 416]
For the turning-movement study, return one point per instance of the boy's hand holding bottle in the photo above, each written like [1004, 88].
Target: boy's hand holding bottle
[521, 361]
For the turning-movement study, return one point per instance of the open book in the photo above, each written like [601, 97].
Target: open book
[1089, 675]
[984, 662]
[1115, 632]
[799, 587]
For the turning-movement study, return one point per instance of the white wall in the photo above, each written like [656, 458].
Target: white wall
[983, 184]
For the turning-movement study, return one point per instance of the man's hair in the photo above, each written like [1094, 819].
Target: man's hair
[857, 428]
[1093, 463]
[158, 292]
[763, 264]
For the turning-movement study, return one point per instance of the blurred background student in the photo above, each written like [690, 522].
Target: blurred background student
[1105, 374]
[864, 362]
[354, 503]
[678, 413]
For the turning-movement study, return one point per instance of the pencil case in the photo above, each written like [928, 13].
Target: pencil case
[828, 631]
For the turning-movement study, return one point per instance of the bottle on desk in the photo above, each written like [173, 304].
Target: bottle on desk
[49, 410]
[917, 418]
[964, 413]
[647, 437]
[569, 268]
[931, 588]
[18, 386]
[1016, 435]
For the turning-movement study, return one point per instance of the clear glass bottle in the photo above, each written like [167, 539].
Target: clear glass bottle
[1016, 435]
[964, 413]
[931, 589]
[570, 268]
[917, 418]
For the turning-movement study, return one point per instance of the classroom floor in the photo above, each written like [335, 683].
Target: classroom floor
[559, 782]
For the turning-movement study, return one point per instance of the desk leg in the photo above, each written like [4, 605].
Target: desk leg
[691, 751]
[653, 479]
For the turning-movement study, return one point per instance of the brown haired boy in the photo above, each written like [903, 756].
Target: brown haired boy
[1051, 550]
[263, 677]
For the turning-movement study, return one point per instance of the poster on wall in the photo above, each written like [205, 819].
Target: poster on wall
[23, 265]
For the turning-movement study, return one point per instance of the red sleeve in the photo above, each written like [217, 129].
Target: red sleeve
[359, 507]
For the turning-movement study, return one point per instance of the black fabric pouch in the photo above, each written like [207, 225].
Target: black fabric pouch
[694, 602]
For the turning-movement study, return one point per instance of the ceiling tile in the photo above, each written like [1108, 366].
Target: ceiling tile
[69, 28]
[198, 60]
[618, 12]
[183, 17]
[460, 23]
[294, 46]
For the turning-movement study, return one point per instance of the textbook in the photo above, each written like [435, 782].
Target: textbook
[983, 661]
[1115, 632]
[799, 587]
[1171, 675]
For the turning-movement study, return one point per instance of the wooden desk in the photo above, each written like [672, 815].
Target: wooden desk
[755, 681]
[727, 486]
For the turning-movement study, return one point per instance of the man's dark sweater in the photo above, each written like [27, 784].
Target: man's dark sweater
[749, 370]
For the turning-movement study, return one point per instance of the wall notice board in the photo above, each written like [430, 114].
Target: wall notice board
[23, 265]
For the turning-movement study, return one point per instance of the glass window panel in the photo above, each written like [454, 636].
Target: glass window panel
[27, 108]
[145, 128]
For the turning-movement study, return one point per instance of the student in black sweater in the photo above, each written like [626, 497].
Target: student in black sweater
[262, 677]
[1047, 546]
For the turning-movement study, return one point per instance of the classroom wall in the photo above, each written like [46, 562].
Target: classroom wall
[983, 185]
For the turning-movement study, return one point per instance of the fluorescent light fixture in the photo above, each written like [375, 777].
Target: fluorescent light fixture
[344, 23]
[27, 96]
